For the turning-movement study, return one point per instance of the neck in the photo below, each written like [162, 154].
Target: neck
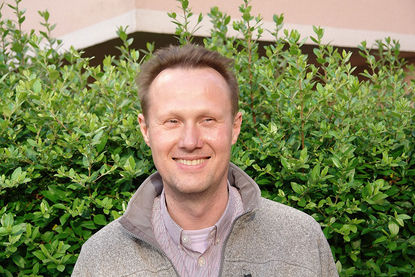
[197, 211]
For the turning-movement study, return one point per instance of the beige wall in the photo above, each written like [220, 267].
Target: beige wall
[346, 22]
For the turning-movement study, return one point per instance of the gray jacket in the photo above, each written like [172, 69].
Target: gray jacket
[269, 239]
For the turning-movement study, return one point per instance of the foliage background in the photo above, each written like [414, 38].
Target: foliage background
[316, 137]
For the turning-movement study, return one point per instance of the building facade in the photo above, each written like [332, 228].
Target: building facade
[92, 25]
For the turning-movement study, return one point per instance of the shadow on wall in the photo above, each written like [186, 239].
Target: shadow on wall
[99, 51]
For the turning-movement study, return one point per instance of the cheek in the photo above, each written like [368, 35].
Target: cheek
[161, 141]
[219, 138]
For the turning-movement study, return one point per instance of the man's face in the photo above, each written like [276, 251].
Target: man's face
[190, 129]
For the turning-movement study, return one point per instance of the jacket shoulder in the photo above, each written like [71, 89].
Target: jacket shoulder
[278, 240]
[284, 215]
[112, 251]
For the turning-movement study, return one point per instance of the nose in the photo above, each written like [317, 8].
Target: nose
[190, 138]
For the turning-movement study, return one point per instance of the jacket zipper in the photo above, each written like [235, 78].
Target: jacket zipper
[155, 247]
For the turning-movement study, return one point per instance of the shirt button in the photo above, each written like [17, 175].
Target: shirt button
[201, 261]
[185, 239]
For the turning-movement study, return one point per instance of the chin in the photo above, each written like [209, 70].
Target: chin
[192, 188]
[188, 186]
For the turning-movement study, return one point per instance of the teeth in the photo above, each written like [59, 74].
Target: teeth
[190, 162]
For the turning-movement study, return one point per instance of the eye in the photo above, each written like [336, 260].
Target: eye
[208, 120]
[171, 122]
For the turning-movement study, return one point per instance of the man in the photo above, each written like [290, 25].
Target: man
[200, 215]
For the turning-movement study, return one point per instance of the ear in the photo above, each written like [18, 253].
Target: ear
[143, 128]
[236, 128]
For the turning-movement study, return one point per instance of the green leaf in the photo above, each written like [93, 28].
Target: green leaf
[44, 250]
[89, 225]
[321, 203]
[393, 228]
[64, 218]
[38, 254]
[102, 143]
[115, 214]
[371, 264]
[339, 266]
[304, 155]
[336, 162]
[18, 260]
[130, 164]
[35, 268]
[315, 173]
[200, 18]
[7, 220]
[100, 219]
[403, 216]
[284, 163]
[172, 15]
[392, 245]
[378, 197]
[16, 174]
[60, 267]
[18, 229]
[37, 86]
[296, 187]
[324, 171]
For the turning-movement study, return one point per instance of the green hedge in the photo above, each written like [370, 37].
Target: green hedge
[316, 137]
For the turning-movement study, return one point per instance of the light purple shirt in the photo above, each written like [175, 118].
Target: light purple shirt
[177, 245]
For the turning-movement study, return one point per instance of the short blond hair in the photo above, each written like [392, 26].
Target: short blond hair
[187, 56]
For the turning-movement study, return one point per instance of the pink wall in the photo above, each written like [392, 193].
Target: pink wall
[380, 17]
[70, 15]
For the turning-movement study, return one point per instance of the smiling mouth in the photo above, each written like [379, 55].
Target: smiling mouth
[191, 162]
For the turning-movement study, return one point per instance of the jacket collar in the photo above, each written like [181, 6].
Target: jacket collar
[137, 218]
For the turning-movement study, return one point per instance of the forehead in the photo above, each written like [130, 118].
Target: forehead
[187, 84]
[180, 75]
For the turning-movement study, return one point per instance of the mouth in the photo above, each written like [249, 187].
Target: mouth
[191, 162]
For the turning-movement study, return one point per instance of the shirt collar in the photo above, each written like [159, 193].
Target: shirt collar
[176, 232]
